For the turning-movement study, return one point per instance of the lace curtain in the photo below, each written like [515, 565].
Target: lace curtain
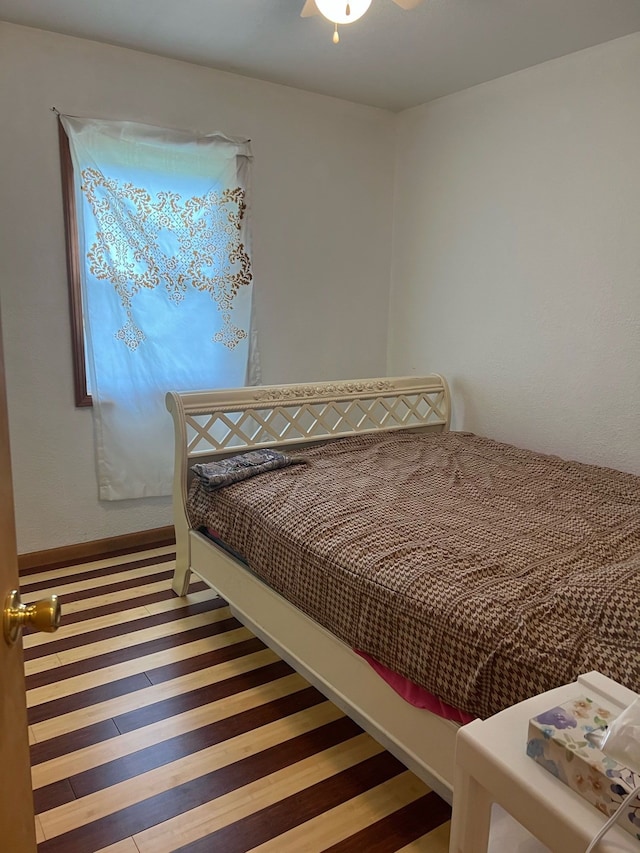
[166, 285]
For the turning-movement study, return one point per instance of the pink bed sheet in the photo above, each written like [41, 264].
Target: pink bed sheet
[416, 695]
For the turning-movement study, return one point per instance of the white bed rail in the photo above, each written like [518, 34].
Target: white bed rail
[229, 421]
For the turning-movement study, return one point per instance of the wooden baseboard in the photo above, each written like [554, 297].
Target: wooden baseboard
[69, 555]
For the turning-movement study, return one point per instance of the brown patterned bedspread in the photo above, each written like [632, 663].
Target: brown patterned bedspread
[480, 571]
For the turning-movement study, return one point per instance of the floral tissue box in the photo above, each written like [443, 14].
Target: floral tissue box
[557, 742]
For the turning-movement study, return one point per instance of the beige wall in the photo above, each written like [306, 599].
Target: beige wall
[322, 189]
[516, 259]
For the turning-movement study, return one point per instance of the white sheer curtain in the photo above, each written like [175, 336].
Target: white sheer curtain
[166, 285]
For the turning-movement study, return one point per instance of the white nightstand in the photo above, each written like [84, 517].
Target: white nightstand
[492, 767]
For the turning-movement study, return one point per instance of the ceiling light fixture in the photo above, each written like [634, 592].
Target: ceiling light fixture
[342, 12]
[345, 11]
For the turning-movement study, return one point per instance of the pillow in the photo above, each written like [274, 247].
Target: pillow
[215, 475]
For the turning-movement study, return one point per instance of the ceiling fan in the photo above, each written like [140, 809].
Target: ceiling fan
[345, 11]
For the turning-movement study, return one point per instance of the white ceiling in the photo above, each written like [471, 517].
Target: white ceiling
[390, 58]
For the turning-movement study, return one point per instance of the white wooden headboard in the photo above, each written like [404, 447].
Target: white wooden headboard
[220, 423]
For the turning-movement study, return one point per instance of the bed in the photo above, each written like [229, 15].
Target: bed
[296, 551]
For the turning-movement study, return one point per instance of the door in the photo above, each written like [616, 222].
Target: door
[16, 799]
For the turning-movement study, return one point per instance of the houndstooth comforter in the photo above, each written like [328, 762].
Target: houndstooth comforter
[480, 571]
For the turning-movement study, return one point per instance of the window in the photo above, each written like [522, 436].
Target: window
[78, 351]
[160, 283]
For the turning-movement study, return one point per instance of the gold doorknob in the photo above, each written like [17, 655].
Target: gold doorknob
[43, 615]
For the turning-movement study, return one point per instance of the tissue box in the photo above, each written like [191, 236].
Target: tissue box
[557, 742]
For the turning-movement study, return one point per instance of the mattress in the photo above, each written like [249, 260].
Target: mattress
[412, 693]
[480, 571]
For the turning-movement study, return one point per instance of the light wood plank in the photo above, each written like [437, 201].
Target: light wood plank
[436, 841]
[69, 686]
[32, 667]
[196, 823]
[32, 737]
[129, 595]
[73, 720]
[127, 845]
[40, 837]
[349, 817]
[101, 803]
[177, 602]
[95, 583]
[145, 635]
[64, 632]
[91, 565]
[133, 638]
[93, 756]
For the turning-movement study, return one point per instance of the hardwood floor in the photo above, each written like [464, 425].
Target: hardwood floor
[160, 724]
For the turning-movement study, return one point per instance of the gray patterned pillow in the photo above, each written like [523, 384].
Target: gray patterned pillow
[215, 475]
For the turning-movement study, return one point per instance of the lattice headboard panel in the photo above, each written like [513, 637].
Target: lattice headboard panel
[233, 421]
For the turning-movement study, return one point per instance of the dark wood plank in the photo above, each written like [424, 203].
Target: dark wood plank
[188, 743]
[132, 652]
[201, 696]
[51, 796]
[290, 812]
[70, 742]
[398, 829]
[119, 606]
[85, 698]
[97, 549]
[119, 629]
[91, 574]
[182, 798]
[118, 586]
[193, 664]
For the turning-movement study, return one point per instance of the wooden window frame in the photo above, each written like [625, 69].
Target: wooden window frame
[82, 396]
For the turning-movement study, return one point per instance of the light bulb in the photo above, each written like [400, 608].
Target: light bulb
[343, 11]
